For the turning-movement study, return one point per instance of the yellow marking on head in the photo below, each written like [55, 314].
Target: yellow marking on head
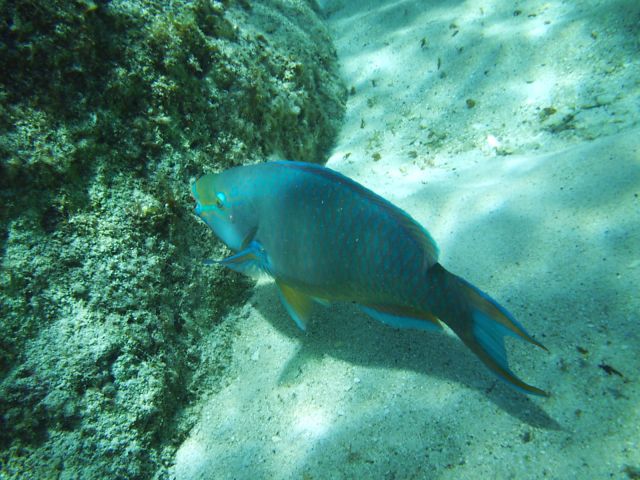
[206, 190]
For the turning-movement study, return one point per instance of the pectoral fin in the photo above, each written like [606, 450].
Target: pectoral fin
[251, 261]
[297, 304]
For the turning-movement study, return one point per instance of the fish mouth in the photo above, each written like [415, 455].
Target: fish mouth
[193, 191]
[197, 208]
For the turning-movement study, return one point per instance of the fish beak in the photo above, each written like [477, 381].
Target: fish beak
[197, 209]
[193, 190]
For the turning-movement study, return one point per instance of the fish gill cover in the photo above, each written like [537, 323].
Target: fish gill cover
[107, 109]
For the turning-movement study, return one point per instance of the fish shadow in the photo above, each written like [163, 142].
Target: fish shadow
[343, 332]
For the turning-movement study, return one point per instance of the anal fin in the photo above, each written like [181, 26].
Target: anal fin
[399, 317]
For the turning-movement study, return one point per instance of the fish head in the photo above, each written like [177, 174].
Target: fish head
[226, 208]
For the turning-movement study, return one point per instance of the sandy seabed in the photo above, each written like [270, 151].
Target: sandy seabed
[510, 131]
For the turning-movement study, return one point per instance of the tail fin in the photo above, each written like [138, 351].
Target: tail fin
[480, 323]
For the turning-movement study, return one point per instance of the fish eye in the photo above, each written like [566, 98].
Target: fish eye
[220, 199]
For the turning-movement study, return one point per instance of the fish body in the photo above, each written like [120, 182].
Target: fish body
[324, 237]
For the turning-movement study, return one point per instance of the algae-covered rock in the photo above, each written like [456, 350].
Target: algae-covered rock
[108, 109]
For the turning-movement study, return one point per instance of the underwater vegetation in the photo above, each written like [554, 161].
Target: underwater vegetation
[107, 110]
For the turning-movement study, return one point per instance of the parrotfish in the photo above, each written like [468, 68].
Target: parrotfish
[325, 238]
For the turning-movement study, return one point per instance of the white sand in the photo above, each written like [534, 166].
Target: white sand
[541, 210]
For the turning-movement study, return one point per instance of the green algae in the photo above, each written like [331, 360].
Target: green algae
[110, 110]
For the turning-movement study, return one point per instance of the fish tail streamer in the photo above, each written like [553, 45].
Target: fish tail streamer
[479, 321]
